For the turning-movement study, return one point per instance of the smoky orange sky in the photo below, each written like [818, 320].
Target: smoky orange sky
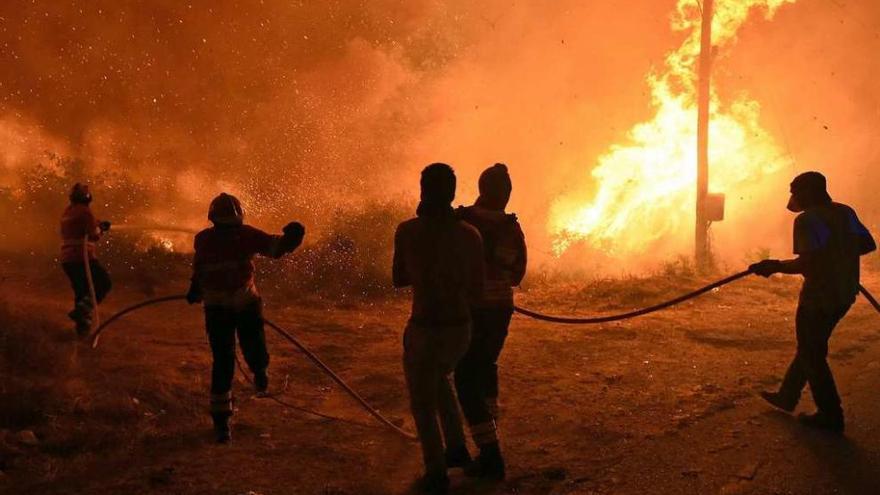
[311, 109]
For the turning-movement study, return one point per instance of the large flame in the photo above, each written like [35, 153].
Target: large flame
[645, 189]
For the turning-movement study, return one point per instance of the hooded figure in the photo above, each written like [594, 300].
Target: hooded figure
[223, 279]
[828, 241]
[476, 377]
[440, 257]
[80, 232]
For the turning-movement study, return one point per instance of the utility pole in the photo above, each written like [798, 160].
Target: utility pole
[701, 238]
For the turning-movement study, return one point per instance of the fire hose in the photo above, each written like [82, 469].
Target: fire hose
[290, 338]
[360, 400]
[657, 307]
[375, 413]
[284, 334]
[294, 407]
[92, 293]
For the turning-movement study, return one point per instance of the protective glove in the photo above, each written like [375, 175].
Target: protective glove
[294, 230]
[194, 294]
[104, 226]
[766, 268]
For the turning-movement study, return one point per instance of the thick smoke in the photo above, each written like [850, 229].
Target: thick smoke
[314, 109]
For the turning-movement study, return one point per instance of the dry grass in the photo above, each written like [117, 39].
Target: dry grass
[59, 389]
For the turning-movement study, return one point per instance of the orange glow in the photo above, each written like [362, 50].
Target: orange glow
[644, 188]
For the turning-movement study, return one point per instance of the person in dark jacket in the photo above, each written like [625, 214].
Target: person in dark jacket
[828, 239]
[440, 257]
[476, 377]
[223, 279]
[80, 232]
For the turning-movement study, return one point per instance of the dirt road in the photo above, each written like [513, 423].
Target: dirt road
[662, 404]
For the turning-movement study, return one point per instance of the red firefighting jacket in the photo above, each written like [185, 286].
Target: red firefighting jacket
[223, 264]
[76, 222]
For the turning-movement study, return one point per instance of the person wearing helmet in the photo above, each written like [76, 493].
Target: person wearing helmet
[80, 231]
[440, 257]
[223, 280]
[476, 377]
[828, 239]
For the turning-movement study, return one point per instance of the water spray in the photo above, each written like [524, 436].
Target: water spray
[155, 227]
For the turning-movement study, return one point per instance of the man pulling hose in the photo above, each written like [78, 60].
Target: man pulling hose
[223, 279]
[476, 376]
[828, 239]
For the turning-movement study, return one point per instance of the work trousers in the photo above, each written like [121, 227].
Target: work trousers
[476, 376]
[430, 354]
[223, 323]
[814, 326]
[76, 273]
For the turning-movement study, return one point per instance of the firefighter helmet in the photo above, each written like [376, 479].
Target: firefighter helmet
[226, 210]
[79, 193]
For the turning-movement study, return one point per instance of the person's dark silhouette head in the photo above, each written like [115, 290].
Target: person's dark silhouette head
[226, 211]
[80, 194]
[438, 190]
[808, 190]
[495, 187]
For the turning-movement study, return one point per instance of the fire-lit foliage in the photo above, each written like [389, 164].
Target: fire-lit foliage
[313, 110]
[645, 188]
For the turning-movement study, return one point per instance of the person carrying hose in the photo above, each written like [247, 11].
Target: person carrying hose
[828, 239]
[476, 377]
[80, 231]
[223, 279]
[441, 257]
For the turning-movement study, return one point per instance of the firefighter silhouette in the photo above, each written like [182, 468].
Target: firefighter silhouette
[828, 241]
[476, 377]
[80, 231]
[440, 257]
[223, 280]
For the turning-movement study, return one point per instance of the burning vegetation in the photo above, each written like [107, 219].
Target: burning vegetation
[316, 110]
[324, 113]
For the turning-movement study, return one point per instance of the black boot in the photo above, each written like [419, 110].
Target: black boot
[222, 431]
[776, 400]
[823, 421]
[489, 464]
[458, 458]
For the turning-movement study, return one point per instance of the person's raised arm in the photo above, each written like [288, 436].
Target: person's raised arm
[294, 233]
[399, 276]
[275, 246]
